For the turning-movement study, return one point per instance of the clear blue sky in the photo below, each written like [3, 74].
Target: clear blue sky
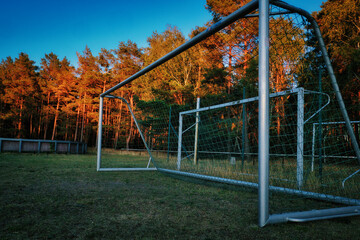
[65, 27]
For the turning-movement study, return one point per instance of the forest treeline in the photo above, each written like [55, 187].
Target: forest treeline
[55, 100]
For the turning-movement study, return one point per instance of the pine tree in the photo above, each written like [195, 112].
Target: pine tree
[20, 92]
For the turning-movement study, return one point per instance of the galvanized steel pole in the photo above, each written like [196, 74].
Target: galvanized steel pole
[179, 141]
[197, 119]
[300, 139]
[263, 157]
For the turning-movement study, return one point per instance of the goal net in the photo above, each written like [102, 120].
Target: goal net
[193, 112]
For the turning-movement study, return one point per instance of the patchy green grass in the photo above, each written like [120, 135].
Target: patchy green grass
[55, 196]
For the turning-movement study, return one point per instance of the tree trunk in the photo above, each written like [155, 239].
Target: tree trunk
[31, 126]
[56, 117]
[20, 118]
[39, 127]
[106, 120]
[246, 135]
[131, 126]
[77, 123]
[198, 83]
[66, 126]
[47, 116]
[356, 130]
[229, 83]
[83, 121]
[118, 124]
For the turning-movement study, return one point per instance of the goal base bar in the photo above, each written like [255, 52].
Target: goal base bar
[125, 169]
[314, 215]
[300, 193]
[298, 217]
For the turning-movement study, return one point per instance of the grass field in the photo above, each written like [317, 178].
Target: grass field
[56, 196]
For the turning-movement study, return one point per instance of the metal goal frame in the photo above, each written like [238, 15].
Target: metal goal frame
[263, 187]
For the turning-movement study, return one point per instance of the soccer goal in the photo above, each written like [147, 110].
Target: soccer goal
[250, 102]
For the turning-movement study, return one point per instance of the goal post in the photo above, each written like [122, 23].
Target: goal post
[300, 138]
[264, 112]
[275, 122]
